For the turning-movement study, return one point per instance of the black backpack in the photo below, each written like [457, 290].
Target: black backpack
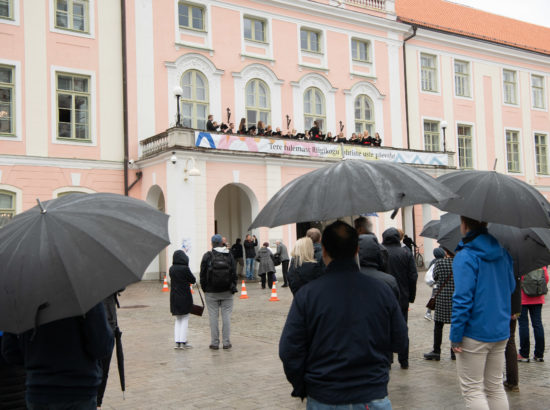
[219, 272]
[534, 283]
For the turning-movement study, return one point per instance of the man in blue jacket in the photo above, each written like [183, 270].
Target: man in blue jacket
[480, 322]
[337, 343]
[62, 360]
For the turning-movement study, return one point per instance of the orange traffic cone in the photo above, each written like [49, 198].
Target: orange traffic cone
[274, 297]
[165, 285]
[244, 295]
[191, 287]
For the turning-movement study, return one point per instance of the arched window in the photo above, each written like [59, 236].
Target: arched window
[258, 107]
[364, 114]
[314, 108]
[194, 100]
[7, 207]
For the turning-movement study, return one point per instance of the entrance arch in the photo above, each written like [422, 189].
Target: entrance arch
[235, 207]
[157, 268]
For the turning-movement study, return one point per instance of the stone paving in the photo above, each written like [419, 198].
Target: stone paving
[250, 375]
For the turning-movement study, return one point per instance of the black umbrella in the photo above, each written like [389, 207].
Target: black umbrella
[529, 247]
[61, 258]
[120, 358]
[431, 229]
[350, 187]
[492, 197]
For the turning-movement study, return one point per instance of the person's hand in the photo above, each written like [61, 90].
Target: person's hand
[456, 347]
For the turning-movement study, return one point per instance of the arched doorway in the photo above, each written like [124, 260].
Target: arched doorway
[157, 268]
[234, 208]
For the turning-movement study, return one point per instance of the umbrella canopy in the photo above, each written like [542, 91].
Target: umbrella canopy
[350, 187]
[431, 229]
[529, 247]
[62, 257]
[493, 197]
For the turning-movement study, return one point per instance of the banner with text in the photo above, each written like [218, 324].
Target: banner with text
[315, 150]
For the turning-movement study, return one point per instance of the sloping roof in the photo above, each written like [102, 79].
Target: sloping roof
[463, 20]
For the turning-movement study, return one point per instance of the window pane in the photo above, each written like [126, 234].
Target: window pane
[61, 20]
[247, 28]
[64, 101]
[354, 49]
[81, 103]
[64, 83]
[314, 41]
[6, 201]
[303, 39]
[197, 18]
[187, 114]
[64, 130]
[250, 93]
[80, 84]
[307, 101]
[5, 75]
[251, 117]
[5, 8]
[62, 5]
[264, 117]
[5, 95]
[183, 11]
[259, 30]
[5, 126]
[262, 95]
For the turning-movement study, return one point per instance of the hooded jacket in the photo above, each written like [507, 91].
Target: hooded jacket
[370, 258]
[401, 266]
[264, 256]
[484, 282]
[181, 277]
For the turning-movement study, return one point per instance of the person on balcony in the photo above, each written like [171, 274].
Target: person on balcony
[211, 126]
[366, 139]
[329, 137]
[268, 131]
[354, 139]
[341, 138]
[261, 128]
[377, 141]
[315, 132]
[242, 126]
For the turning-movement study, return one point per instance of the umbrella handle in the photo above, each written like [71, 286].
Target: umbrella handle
[42, 210]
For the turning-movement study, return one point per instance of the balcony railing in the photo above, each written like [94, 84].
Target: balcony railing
[190, 139]
[371, 4]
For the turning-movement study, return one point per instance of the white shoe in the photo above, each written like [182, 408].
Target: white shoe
[186, 345]
[428, 316]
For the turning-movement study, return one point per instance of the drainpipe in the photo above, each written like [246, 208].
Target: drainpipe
[124, 92]
[406, 89]
[407, 113]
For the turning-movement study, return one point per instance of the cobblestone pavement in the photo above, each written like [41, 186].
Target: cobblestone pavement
[250, 375]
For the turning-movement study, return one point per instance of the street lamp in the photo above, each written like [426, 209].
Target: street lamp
[178, 92]
[443, 127]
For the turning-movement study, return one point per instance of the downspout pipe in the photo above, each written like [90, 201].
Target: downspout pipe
[124, 92]
[406, 88]
[407, 112]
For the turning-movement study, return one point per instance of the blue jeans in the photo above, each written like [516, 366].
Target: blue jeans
[249, 268]
[84, 404]
[536, 321]
[379, 404]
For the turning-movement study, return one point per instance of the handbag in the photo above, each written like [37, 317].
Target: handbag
[198, 309]
[277, 259]
[431, 303]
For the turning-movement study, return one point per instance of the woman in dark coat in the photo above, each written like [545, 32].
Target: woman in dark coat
[181, 299]
[443, 277]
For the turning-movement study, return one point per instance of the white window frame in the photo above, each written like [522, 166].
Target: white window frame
[547, 135]
[322, 54]
[92, 142]
[70, 32]
[368, 44]
[543, 91]
[440, 133]
[468, 76]
[14, 19]
[265, 30]
[515, 103]
[71, 189]
[194, 102]
[315, 116]
[18, 196]
[266, 45]
[205, 34]
[472, 136]
[257, 108]
[191, 28]
[18, 110]
[437, 89]
[520, 167]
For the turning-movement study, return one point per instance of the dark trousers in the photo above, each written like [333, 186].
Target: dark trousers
[536, 321]
[105, 364]
[284, 264]
[269, 279]
[511, 356]
[403, 356]
[438, 336]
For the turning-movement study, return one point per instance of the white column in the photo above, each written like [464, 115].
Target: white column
[273, 183]
[429, 244]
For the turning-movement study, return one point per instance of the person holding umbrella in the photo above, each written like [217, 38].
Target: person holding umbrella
[181, 299]
[480, 320]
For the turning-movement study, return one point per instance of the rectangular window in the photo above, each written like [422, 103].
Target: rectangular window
[541, 153]
[191, 16]
[254, 29]
[509, 79]
[7, 100]
[73, 107]
[512, 151]
[431, 136]
[465, 156]
[310, 40]
[6, 9]
[462, 78]
[360, 50]
[7, 207]
[72, 15]
[429, 72]
[537, 85]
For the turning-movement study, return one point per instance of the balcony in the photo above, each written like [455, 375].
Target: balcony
[199, 141]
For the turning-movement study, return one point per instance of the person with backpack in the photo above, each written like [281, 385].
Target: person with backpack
[219, 282]
[533, 288]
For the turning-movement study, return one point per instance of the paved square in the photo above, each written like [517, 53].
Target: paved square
[250, 375]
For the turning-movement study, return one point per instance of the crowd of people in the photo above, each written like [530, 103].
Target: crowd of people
[313, 134]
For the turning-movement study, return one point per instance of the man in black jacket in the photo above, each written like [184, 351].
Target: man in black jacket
[237, 252]
[364, 229]
[341, 330]
[369, 260]
[402, 267]
[250, 244]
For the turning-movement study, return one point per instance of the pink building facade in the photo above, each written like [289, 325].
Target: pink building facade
[439, 100]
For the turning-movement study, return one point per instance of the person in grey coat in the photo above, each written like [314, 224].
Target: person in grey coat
[267, 267]
[282, 251]
[369, 261]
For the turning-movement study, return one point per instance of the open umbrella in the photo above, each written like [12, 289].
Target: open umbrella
[61, 258]
[493, 197]
[431, 229]
[529, 247]
[350, 187]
